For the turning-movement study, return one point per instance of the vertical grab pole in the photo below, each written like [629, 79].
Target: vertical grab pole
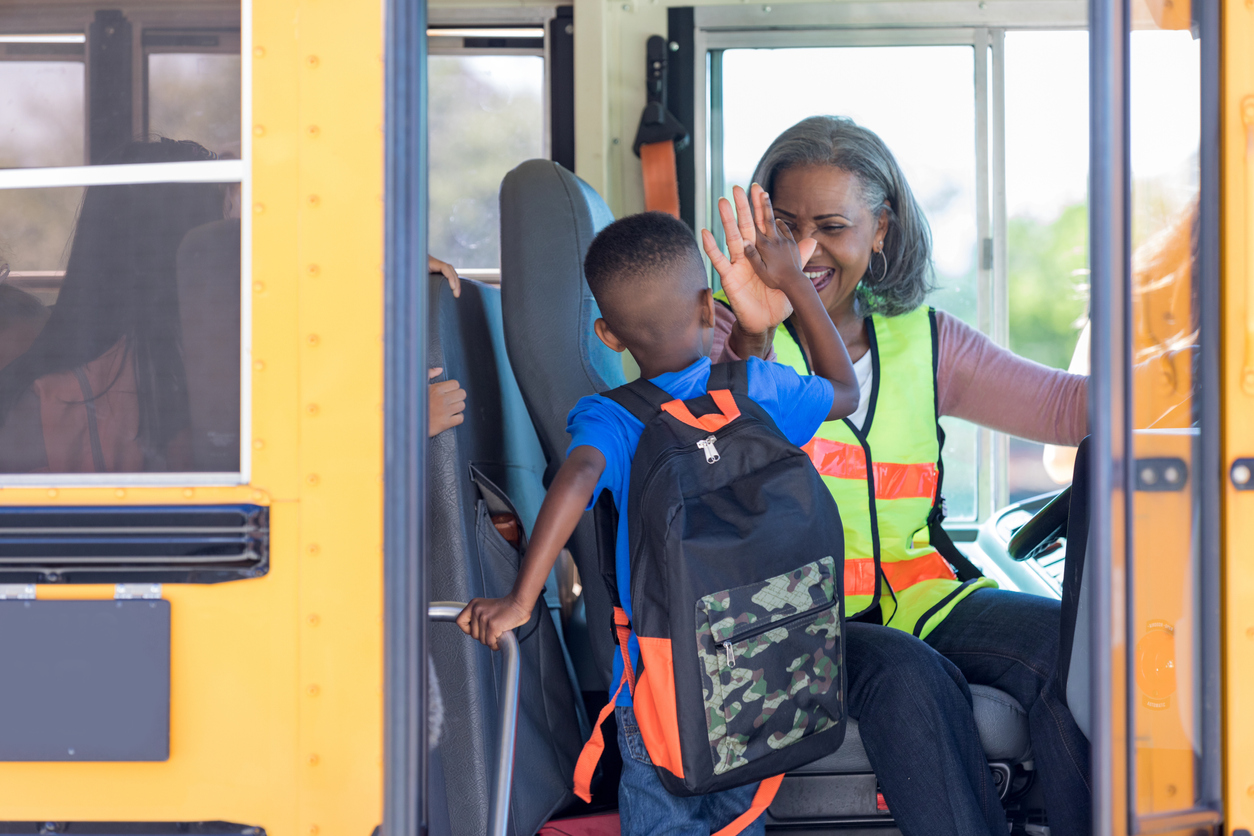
[1109, 401]
[508, 708]
[405, 412]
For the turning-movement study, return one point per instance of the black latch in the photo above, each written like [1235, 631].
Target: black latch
[657, 124]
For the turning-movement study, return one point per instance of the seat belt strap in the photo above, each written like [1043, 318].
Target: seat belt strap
[661, 183]
[761, 800]
[586, 766]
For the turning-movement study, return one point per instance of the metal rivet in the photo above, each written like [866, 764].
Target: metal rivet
[259, 208]
[313, 269]
[314, 548]
[313, 760]
[313, 830]
[313, 690]
[258, 444]
[570, 29]
[314, 130]
[312, 61]
[313, 339]
[314, 620]
[674, 46]
[52, 492]
[259, 51]
[766, 9]
[313, 409]
[1171, 789]
[258, 496]
[313, 479]
[259, 130]
[189, 492]
[1148, 475]
[1172, 475]
[259, 287]
[314, 200]
[614, 141]
[1241, 474]
[119, 493]
[259, 365]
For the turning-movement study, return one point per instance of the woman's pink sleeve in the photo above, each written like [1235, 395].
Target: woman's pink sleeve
[722, 352]
[981, 382]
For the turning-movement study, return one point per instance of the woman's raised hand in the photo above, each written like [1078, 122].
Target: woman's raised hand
[759, 305]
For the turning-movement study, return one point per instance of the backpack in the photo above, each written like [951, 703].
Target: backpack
[737, 569]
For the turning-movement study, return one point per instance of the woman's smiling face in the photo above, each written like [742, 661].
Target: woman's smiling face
[826, 203]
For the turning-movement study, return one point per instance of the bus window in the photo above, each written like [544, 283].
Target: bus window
[1047, 163]
[916, 86]
[486, 115]
[120, 311]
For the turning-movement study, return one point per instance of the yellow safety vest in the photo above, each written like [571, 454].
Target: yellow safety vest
[885, 477]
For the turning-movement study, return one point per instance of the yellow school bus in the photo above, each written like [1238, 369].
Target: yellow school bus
[225, 530]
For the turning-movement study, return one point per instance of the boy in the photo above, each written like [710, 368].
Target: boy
[650, 283]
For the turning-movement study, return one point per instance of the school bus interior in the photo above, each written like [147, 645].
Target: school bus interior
[985, 105]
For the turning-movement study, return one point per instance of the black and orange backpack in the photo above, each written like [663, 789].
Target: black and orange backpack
[737, 565]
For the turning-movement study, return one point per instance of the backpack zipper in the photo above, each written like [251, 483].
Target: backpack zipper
[711, 454]
[758, 629]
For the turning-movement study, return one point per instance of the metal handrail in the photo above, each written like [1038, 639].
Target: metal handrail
[448, 611]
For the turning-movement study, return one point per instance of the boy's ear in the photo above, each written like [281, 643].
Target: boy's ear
[707, 308]
[605, 335]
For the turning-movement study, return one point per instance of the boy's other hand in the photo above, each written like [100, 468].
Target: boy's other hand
[485, 619]
[777, 259]
[434, 265]
[446, 403]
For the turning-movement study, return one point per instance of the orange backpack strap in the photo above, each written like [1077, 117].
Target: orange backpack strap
[761, 800]
[586, 766]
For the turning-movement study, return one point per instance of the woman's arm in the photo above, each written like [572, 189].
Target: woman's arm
[988, 385]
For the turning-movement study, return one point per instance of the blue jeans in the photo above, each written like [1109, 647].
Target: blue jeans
[913, 707]
[645, 808]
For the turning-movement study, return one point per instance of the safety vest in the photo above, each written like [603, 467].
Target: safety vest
[886, 477]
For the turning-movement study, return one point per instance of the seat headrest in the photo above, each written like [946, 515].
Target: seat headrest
[548, 218]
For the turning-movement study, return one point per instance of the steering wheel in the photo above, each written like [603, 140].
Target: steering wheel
[1040, 534]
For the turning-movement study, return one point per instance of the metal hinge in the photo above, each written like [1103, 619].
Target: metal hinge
[134, 591]
[17, 592]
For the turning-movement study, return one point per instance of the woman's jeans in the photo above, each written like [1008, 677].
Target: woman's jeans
[913, 707]
[914, 714]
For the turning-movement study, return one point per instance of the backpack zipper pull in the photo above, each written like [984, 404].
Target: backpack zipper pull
[731, 654]
[711, 454]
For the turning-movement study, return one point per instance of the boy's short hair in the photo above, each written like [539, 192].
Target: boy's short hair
[639, 266]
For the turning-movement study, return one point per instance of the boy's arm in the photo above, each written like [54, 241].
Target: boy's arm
[485, 619]
[776, 259]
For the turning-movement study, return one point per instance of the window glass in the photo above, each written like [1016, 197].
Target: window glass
[196, 96]
[485, 116]
[1165, 513]
[922, 106]
[42, 103]
[1047, 203]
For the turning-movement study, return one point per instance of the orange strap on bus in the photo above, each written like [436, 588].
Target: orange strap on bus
[761, 800]
[661, 183]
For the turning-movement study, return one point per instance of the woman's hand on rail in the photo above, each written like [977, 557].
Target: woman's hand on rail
[758, 306]
[485, 619]
[434, 265]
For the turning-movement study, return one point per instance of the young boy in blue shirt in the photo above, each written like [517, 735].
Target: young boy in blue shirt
[650, 283]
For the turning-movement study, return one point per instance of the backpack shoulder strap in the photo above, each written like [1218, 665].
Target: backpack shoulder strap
[642, 398]
[733, 376]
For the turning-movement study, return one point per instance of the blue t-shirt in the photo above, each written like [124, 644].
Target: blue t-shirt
[798, 405]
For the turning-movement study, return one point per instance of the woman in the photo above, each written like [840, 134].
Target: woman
[917, 633]
[103, 388]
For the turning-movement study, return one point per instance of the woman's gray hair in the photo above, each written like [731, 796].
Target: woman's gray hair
[838, 141]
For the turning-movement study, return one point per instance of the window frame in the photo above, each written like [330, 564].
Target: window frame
[35, 20]
[895, 23]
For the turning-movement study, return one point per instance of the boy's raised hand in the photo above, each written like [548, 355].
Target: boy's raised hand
[759, 304]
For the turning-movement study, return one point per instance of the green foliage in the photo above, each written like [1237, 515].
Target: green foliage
[1048, 285]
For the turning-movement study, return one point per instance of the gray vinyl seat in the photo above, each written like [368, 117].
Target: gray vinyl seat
[548, 218]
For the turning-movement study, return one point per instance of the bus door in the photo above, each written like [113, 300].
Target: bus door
[1152, 574]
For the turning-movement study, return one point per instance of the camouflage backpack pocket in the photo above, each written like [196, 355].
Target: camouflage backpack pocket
[770, 661]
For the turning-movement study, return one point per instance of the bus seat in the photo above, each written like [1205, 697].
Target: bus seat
[1073, 656]
[207, 268]
[489, 465]
[548, 218]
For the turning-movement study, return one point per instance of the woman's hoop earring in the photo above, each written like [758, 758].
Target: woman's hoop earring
[885, 274]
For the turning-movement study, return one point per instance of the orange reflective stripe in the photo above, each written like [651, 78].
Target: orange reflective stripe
[859, 576]
[713, 422]
[661, 183]
[902, 574]
[761, 800]
[892, 481]
[586, 766]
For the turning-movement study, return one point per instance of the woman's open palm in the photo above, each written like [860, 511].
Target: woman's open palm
[758, 307]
